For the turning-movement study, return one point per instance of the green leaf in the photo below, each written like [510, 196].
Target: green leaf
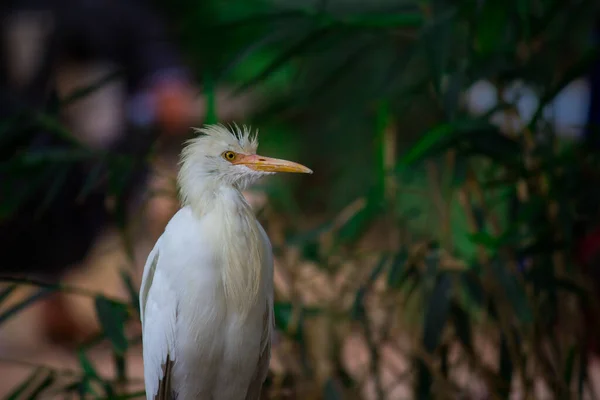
[378, 269]
[491, 26]
[20, 390]
[356, 225]
[445, 136]
[570, 365]
[358, 311]
[485, 239]
[514, 290]
[120, 367]
[284, 57]
[7, 291]
[506, 368]
[131, 290]
[211, 102]
[331, 391]
[43, 385]
[112, 317]
[423, 382]
[397, 269]
[462, 325]
[86, 91]
[15, 309]
[437, 312]
[578, 69]
[87, 367]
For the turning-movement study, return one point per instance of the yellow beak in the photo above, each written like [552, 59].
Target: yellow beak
[267, 164]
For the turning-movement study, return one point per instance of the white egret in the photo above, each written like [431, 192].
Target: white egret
[206, 296]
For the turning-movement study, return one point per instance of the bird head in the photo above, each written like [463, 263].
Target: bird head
[220, 156]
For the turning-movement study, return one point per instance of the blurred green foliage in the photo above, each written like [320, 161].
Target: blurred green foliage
[370, 95]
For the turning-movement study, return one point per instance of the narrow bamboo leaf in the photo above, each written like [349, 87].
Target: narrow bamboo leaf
[87, 367]
[211, 101]
[506, 368]
[43, 385]
[491, 26]
[283, 315]
[7, 291]
[18, 392]
[120, 367]
[397, 269]
[15, 309]
[284, 57]
[462, 325]
[60, 177]
[356, 225]
[423, 382]
[331, 391]
[378, 269]
[437, 312]
[131, 290]
[112, 318]
[358, 307]
[259, 19]
[86, 91]
[580, 68]
[570, 366]
[485, 239]
[514, 290]
[91, 181]
[443, 136]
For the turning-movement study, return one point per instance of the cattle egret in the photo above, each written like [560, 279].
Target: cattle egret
[206, 297]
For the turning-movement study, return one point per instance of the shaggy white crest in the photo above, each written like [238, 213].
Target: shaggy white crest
[203, 169]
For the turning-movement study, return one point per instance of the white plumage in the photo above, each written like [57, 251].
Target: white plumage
[206, 297]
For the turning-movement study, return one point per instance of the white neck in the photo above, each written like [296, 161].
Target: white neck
[243, 252]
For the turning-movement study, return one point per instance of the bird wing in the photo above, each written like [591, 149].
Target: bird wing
[158, 342]
[262, 368]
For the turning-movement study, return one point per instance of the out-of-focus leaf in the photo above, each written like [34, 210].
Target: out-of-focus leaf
[356, 225]
[86, 365]
[462, 325]
[506, 368]
[112, 318]
[379, 268]
[444, 136]
[92, 179]
[577, 70]
[397, 269]
[43, 385]
[485, 239]
[7, 291]
[283, 58]
[331, 391]
[437, 312]
[570, 366]
[60, 178]
[515, 292]
[15, 309]
[18, 392]
[120, 367]
[423, 382]
[133, 293]
[211, 103]
[358, 306]
[493, 144]
[86, 91]
[491, 26]
[283, 312]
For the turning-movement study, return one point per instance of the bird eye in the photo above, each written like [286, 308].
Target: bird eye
[229, 155]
